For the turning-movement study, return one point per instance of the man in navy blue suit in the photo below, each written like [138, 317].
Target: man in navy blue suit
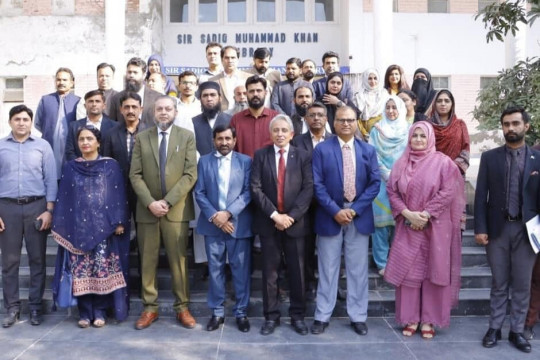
[222, 192]
[346, 180]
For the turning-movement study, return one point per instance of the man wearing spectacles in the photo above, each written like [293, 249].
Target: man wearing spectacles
[346, 181]
[188, 106]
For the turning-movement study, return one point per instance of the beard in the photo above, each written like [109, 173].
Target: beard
[255, 103]
[308, 75]
[211, 111]
[301, 109]
[133, 85]
[513, 138]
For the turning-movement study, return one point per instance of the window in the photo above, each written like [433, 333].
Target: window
[324, 10]
[179, 11]
[485, 81]
[483, 3]
[266, 10]
[236, 11]
[440, 82]
[295, 10]
[207, 11]
[437, 6]
[14, 91]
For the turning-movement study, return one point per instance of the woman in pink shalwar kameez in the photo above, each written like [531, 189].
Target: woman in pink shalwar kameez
[424, 264]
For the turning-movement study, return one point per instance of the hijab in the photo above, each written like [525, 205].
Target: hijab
[424, 91]
[371, 100]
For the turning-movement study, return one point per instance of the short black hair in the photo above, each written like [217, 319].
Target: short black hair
[221, 128]
[130, 95]
[319, 105]
[330, 54]
[213, 44]
[230, 47]
[92, 93]
[137, 61]
[19, 109]
[94, 130]
[104, 65]
[261, 53]
[516, 109]
[256, 79]
[66, 70]
[188, 73]
[294, 60]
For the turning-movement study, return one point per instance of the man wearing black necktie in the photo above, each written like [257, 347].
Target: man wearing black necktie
[507, 196]
[282, 188]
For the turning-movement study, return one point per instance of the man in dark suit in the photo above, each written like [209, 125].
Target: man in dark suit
[94, 102]
[303, 98]
[346, 181]
[135, 72]
[282, 99]
[163, 172]
[222, 192]
[507, 196]
[282, 188]
[210, 118]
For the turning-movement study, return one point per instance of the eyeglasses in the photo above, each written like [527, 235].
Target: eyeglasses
[345, 121]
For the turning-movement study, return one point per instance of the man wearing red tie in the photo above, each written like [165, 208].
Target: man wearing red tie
[282, 188]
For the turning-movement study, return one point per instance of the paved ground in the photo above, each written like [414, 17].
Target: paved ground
[59, 338]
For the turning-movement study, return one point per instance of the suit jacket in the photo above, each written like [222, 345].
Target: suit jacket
[147, 116]
[282, 98]
[228, 98]
[47, 113]
[238, 195]
[328, 185]
[303, 141]
[297, 195]
[180, 174]
[203, 132]
[72, 146]
[490, 195]
[298, 124]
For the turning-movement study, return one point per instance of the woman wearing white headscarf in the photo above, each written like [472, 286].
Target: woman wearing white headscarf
[370, 100]
[389, 137]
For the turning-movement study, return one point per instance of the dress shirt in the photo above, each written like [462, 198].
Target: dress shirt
[212, 121]
[226, 167]
[316, 142]
[353, 150]
[27, 168]
[97, 124]
[285, 157]
[232, 81]
[168, 131]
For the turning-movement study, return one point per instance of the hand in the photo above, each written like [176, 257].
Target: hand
[343, 217]
[418, 219]
[158, 208]
[46, 219]
[481, 239]
[2, 226]
[283, 221]
[221, 218]
[119, 230]
[330, 99]
[228, 227]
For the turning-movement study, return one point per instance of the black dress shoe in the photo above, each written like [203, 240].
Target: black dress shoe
[528, 333]
[10, 318]
[318, 327]
[519, 341]
[243, 324]
[491, 337]
[214, 322]
[299, 326]
[269, 326]
[359, 327]
[35, 318]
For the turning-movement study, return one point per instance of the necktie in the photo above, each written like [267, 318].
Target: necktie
[513, 186]
[281, 182]
[163, 161]
[222, 183]
[349, 188]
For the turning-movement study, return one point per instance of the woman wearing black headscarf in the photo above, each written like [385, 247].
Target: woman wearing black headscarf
[423, 88]
[334, 97]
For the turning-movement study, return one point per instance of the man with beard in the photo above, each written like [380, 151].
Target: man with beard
[303, 98]
[252, 131]
[134, 81]
[163, 172]
[261, 67]
[210, 118]
[282, 95]
[309, 69]
[507, 196]
[222, 192]
[240, 100]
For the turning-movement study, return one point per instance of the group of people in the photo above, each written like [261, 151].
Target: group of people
[291, 165]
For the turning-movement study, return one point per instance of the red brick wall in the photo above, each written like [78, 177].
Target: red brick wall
[89, 7]
[463, 6]
[412, 6]
[37, 7]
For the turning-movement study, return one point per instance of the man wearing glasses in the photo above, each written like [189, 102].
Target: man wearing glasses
[188, 106]
[346, 180]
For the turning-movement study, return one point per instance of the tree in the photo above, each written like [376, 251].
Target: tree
[519, 85]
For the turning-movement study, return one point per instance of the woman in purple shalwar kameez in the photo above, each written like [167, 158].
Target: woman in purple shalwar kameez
[91, 226]
[424, 189]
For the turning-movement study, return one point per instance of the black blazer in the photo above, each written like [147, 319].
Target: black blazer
[72, 150]
[490, 196]
[298, 190]
[304, 142]
[204, 140]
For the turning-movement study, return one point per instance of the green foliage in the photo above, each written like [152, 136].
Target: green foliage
[501, 18]
[516, 86]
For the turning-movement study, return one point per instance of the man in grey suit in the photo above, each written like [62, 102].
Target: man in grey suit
[135, 72]
[507, 196]
[222, 192]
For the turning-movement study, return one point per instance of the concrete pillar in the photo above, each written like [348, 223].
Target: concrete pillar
[353, 14]
[383, 27]
[115, 37]
[516, 46]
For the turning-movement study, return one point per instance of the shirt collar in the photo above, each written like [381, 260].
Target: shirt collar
[350, 142]
[219, 156]
[276, 149]
[168, 131]
[12, 138]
